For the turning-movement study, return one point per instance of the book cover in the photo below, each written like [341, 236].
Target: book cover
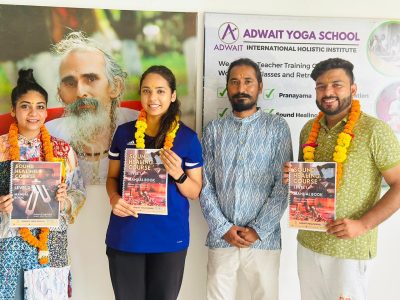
[312, 195]
[34, 186]
[145, 181]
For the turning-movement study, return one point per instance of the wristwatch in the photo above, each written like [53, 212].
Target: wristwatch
[181, 179]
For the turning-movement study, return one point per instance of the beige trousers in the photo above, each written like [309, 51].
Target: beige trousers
[260, 267]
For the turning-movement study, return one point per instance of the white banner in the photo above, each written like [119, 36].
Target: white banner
[287, 48]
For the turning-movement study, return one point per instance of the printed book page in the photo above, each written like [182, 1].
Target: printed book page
[34, 186]
[145, 181]
[312, 195]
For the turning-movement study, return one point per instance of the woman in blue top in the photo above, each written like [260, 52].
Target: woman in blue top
[146, 252]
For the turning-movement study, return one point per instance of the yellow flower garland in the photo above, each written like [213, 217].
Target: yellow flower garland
[343, 141]
[141, 125]
[41, 241]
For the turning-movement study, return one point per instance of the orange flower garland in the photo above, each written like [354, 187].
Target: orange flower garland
[13, 141]
[39, 242]
[141, 125]
[47, 145]
[342, 143]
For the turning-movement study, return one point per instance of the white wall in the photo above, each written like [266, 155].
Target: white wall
[89, 263]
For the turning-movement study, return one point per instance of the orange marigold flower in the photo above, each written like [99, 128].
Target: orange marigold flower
[343, 141]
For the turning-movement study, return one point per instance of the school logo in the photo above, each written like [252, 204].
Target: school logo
[228, 33]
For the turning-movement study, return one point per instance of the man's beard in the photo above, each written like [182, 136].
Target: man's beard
[344, 103]
[239, 104]
[89, 121]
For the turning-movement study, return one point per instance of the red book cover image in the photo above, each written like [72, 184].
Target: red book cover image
[34, 186]
[312, 195]
[145, 181]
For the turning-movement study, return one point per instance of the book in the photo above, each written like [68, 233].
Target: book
[145, 181]
[312, 195]
[34, 185]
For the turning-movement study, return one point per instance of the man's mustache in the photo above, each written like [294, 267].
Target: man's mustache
[83, 106]
[241, 95]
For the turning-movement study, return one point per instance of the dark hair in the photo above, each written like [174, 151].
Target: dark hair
[26, 82]
[244, 62]
[174, 109]
[333, 63]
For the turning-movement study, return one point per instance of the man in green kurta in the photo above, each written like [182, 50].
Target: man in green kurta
[334, 264]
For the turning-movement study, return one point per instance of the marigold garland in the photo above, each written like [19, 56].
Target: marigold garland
[141, 125]
[41, 241]
[342, 143]
[13, 141]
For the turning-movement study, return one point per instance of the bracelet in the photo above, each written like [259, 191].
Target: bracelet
[181, 178]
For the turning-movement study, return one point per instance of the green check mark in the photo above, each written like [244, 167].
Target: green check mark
[222, 113]
[221, 92]
[269, 94]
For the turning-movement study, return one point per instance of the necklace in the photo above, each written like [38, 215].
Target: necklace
[343, 141]
[39, 242]
[141, 125]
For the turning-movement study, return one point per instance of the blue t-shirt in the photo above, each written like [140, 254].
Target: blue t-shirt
[154, 233]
